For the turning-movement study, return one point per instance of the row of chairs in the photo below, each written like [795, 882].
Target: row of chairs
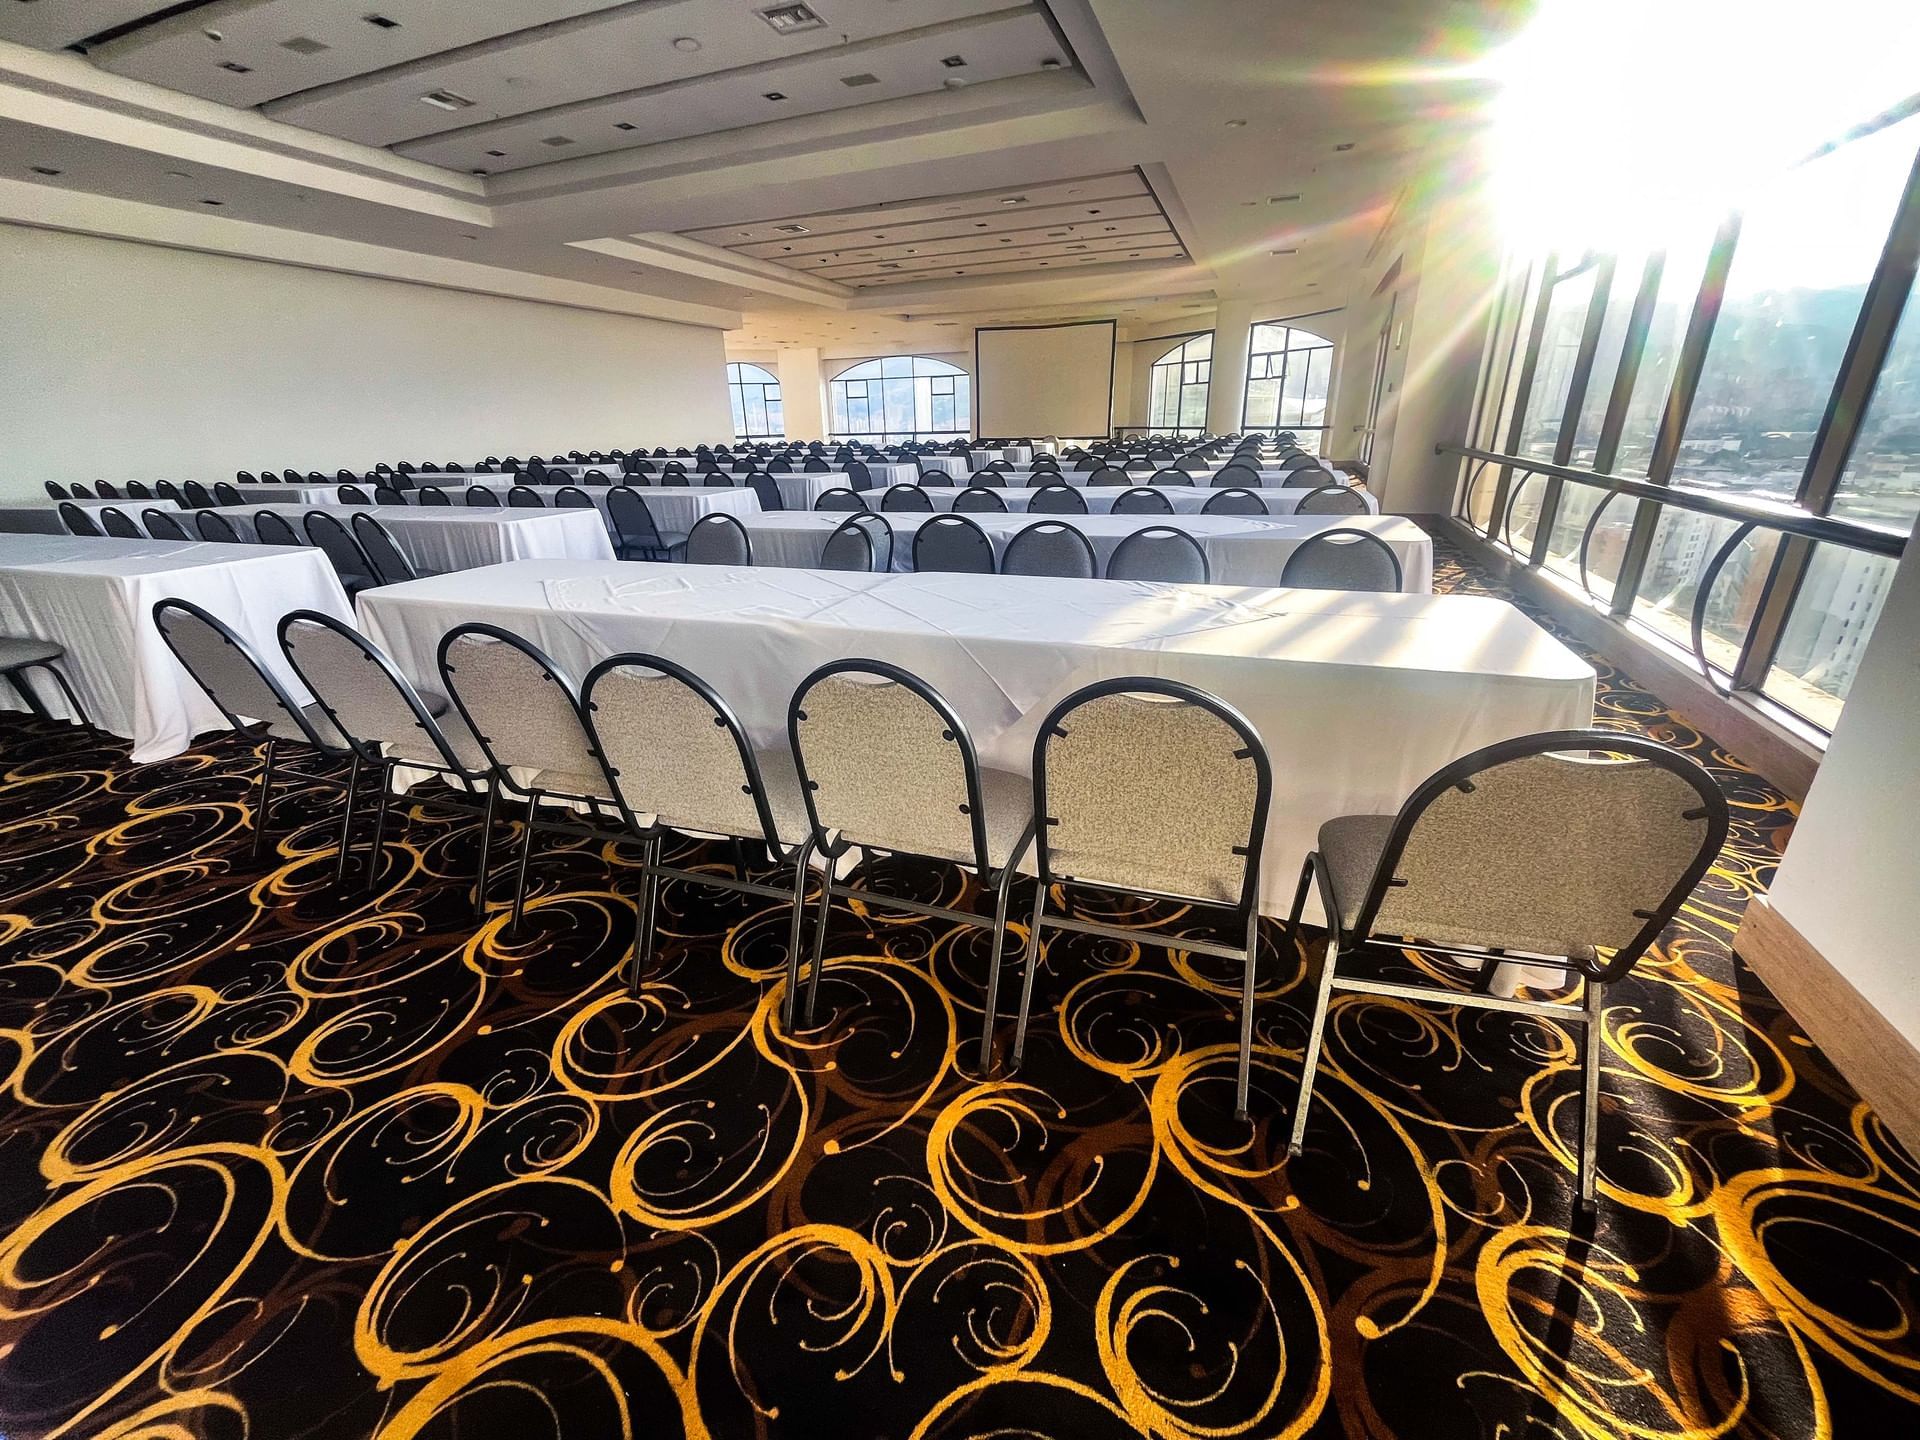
[1535, 848]
[191, 495]
[363, 556]
[1069, 500]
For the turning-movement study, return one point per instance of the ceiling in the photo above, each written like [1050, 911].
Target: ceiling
[838, 172]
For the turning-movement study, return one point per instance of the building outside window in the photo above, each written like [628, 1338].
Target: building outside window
[1289, 371]
[901, 397]
[1177, 388]
[755, 394]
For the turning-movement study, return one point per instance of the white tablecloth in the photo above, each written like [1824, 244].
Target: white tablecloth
[1240, 549]
[958, 466]
[675, 510]
[439, 538]
[1357, 697]
[294, 494]
[42, 517]
[1012, 454]
[1274, 478]
[96, 597]
[1186, 500]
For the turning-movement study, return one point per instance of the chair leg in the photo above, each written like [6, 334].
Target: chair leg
[379, 824]
[36, 707]
[793, 933]
[1323, 993]
[1003, 892]
[1245, 1081]
[819, 940]
[346, 821]
[260, 802]
[73, 700]
[1026, 980]
[486, 847]
[1592, 1044]
[520, 876]
[643, 913]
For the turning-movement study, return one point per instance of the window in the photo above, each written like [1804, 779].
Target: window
[1288, 372]
[755, 394]
[1177, 387]
[901, 397]
[1807, 248]
[1559, 352]
[1881, 484]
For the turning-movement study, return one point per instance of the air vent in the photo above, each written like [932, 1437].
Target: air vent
[793, 229]
[955, 62]
[625, 125]
[446, 100]
[498, 154]
[1281, 199]
[45, 170]
[304, 45]
[381, 22]
[235, 67]
[790, 19]
[774, 95]
[851, 81]
[558, 141]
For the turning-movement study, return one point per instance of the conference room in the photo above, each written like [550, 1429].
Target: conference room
[971, 718]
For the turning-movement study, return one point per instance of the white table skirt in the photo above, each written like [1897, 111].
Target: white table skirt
[1186, 500]
[1240, 549]
[42, 517]
[958, 466]
[1202, 480]
[439, 538]
[1357, 697]
[798, 490]
[96, 598]
[294, 494]
[676, 510]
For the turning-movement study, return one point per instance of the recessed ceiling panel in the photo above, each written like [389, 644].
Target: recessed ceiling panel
[244, 52]
[996, 47]
[633, 48]
[54, 24]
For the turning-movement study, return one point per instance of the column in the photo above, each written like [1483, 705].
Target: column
[803, 394]
[1227, 391]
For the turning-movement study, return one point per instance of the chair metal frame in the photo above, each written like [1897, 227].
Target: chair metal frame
[1155, 532]
[1142, 494]
[169, 519]
[1245, 913]
[720, 520]
[15, 676]
[947, 521]
[1589, 1013]
[831, 845]
[1307, 500]
[1346, 533]
[383, 574]
[1051, 526]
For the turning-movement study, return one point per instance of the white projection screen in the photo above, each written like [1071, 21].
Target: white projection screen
[1032, 380]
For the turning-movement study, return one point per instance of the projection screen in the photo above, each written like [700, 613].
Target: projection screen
[1032, 380]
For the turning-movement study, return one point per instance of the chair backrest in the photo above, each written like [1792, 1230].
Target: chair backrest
[572, 497]
[350, 562]
[674, 749]
[1116, 767]
[1109, 475]
[216, 527]
[139, 490]
[815, 465]
[354, 495]
[197, 495]
[953, 543]
[521, 707]
[1331, 500]
[1536, 844]
[431, 495]
[989, 478]
[1170, 477]
[390, 564]
[117, 523]
[1050, 547]
[103, 490]
[362, 691]
[480, 495]
[245, 477]
[767, 489]
[271, 529]
[526, 498]
[1235, 501]
[224, 493]
[858, 475]
[1343, 559]
[1236, 475]
[780, 467]
[905, 497]
[1302, 461]
[164, 524]
[885, 761]
[224, 665]
[165, 489]
[839, 499]
[718, 539]
[850, 547]
[1139, 462]
[388, 495]
[632, 521]
[1159, 552]
[1057, 499]
[976, 499]
[1141, 500]
[56, 490]
[592, 477]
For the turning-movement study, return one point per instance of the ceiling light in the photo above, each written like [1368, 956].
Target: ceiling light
[1283, 252]
[954, 82]
[213, 202]
[1345, 147]
[1280, 199]
[1014, 200]
[1052, 62]
[304, 45]
[557, 141]
[1236, 124]
[773, 95]
[214, 35]
[446, 100]
[853, 81]
[792, 229]
[45, 170]
[787, 19]
[236, 67]
[686, 44]
[180, 174]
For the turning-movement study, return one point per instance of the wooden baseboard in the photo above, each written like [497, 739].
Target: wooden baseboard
[1882, 1063]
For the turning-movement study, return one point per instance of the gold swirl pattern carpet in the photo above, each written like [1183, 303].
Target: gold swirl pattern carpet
[278, 1160]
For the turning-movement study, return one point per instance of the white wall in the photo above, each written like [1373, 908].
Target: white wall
[130, 361]
[1850, 879]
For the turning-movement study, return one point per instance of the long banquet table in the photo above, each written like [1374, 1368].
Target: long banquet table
[1185, 499]
[1358, 697]
[294, 494]
[798, 491]
[96, 598]
[439, 538]
[1240, 549]
[42, 517]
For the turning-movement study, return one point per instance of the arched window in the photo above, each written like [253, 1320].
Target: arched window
[1177, 392]
[755, 393]
[901, 397]
[1288, 370]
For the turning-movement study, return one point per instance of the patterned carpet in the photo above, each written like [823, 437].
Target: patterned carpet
[278, 1161]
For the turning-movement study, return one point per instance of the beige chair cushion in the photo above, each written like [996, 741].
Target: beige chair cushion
[283, 728]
